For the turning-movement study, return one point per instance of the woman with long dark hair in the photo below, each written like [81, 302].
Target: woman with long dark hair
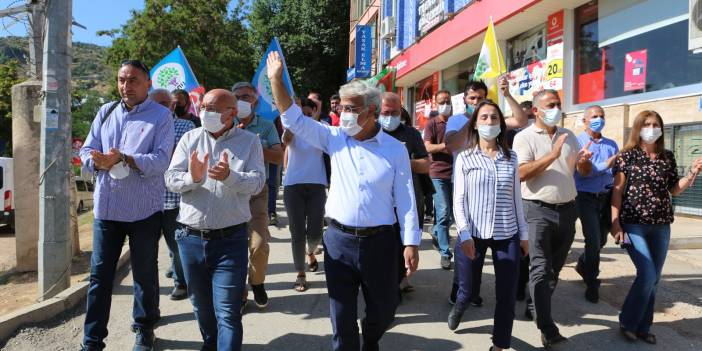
[645, 176]
[487, 205]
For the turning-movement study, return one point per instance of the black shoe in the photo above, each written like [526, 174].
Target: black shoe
[454, 292]
[555, 339]
[273, 219]
[580, 270]
[169, 273]
[435, 243]
[179, 293]
[521, 295]
[446, 262]
[145, 339]
[454, 317]
[592, 293]
[476, 301]
[88, 348]
[260, 295]
[529, 310]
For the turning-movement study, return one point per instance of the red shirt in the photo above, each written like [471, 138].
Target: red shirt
[334, 119]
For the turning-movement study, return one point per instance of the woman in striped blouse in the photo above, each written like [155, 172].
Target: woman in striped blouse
[487, 208]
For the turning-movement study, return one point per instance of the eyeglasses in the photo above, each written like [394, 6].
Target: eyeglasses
[213, 109]
[245, 97]
[138, 64]
[350, 108]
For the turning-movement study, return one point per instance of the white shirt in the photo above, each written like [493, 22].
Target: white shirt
[370, 179]
[487, 201]
[305, 164]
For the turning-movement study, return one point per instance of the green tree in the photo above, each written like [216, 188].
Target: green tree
[8, 78]
[85, 106]
[213, 39]
[314, 35]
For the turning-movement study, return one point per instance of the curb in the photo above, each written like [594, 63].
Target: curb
[49, 308]
[689, 243]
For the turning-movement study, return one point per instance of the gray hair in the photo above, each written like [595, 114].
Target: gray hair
[159, 91]
[391, 97]
[592, 107]
[541, 94]
[370, 95]
[240, 85]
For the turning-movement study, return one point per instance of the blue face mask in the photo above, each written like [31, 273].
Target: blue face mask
[597, 124]
[470, 109]
[389, 123]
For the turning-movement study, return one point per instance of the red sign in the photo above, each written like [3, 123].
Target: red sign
[635, 70]
[424, 99]
[75, 147]
[554, 30]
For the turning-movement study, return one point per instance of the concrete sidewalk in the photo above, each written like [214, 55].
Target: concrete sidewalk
[299, 321]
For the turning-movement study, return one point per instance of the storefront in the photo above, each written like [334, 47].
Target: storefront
[626, 55]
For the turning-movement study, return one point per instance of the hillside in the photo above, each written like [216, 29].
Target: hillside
[88, 70]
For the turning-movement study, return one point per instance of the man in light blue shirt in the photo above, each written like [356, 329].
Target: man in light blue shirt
[594, 196]
[129, 146]
[371, 179]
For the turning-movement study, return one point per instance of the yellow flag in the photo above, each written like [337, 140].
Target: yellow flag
[491, 63]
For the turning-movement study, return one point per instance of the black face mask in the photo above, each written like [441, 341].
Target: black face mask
[180, 110]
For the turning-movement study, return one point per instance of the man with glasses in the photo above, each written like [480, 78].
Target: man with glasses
[372, 189]
[217, 169]
[129, 147]
[247, 100]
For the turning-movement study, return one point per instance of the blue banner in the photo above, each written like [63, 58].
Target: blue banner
[173, 72]
[266, 107]
[364, 46]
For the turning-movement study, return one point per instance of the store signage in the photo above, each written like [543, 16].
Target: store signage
[554, 28]
[430, 13]
[364, 46]
[635, 70]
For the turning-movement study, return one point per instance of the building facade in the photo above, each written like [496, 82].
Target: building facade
[625, 55]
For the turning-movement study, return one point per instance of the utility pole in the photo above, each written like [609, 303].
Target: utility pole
[54, 164]
[37, 20]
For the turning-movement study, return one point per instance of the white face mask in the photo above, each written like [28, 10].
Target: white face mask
[444, 109]
[489, 132]
[211, 121]
[650, 135]
[119, 171]
[552, 116]
[243, 109]
[349, 123]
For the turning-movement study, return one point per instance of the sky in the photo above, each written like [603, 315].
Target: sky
[96, 15]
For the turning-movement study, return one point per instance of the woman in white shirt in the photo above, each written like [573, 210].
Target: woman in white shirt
[304, 194]
[487, 208]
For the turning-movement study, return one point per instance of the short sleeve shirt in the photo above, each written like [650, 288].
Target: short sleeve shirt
[412, 140]
[646, 197]
[441, 162]
[556, 184]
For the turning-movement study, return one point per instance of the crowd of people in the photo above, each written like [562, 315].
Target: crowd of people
[208, 182]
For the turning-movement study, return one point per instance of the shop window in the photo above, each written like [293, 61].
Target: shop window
[526, 48]
[455, 78]
[686, 142]
[629, 47]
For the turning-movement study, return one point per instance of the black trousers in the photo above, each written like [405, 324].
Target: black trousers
[350, 263]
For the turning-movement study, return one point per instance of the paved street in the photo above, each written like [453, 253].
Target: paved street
[299, 321]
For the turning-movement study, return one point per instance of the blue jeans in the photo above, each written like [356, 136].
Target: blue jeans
[108, 240]
[595, 217]
[168, 228]
[506, 256]
[648, 249]
[273, 183]
[369, 263]
[215, 271]
[443, 214]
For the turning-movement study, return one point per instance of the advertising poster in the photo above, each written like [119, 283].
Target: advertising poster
[458, 104]
[527, 48]
[424, 99]
[635, 70]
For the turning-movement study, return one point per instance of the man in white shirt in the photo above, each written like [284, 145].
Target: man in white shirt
[371, 179]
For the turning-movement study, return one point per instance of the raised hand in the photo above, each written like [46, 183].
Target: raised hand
[558, 145]
[198, 168]
[221, 170]
[584, 153]
[274, 65]
[503, 84]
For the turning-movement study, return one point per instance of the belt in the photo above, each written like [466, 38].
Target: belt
[211, 234]
[361, 231]
[553, 206]
[605, 193]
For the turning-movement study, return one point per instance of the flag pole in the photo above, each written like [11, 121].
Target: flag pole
[497, 46]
